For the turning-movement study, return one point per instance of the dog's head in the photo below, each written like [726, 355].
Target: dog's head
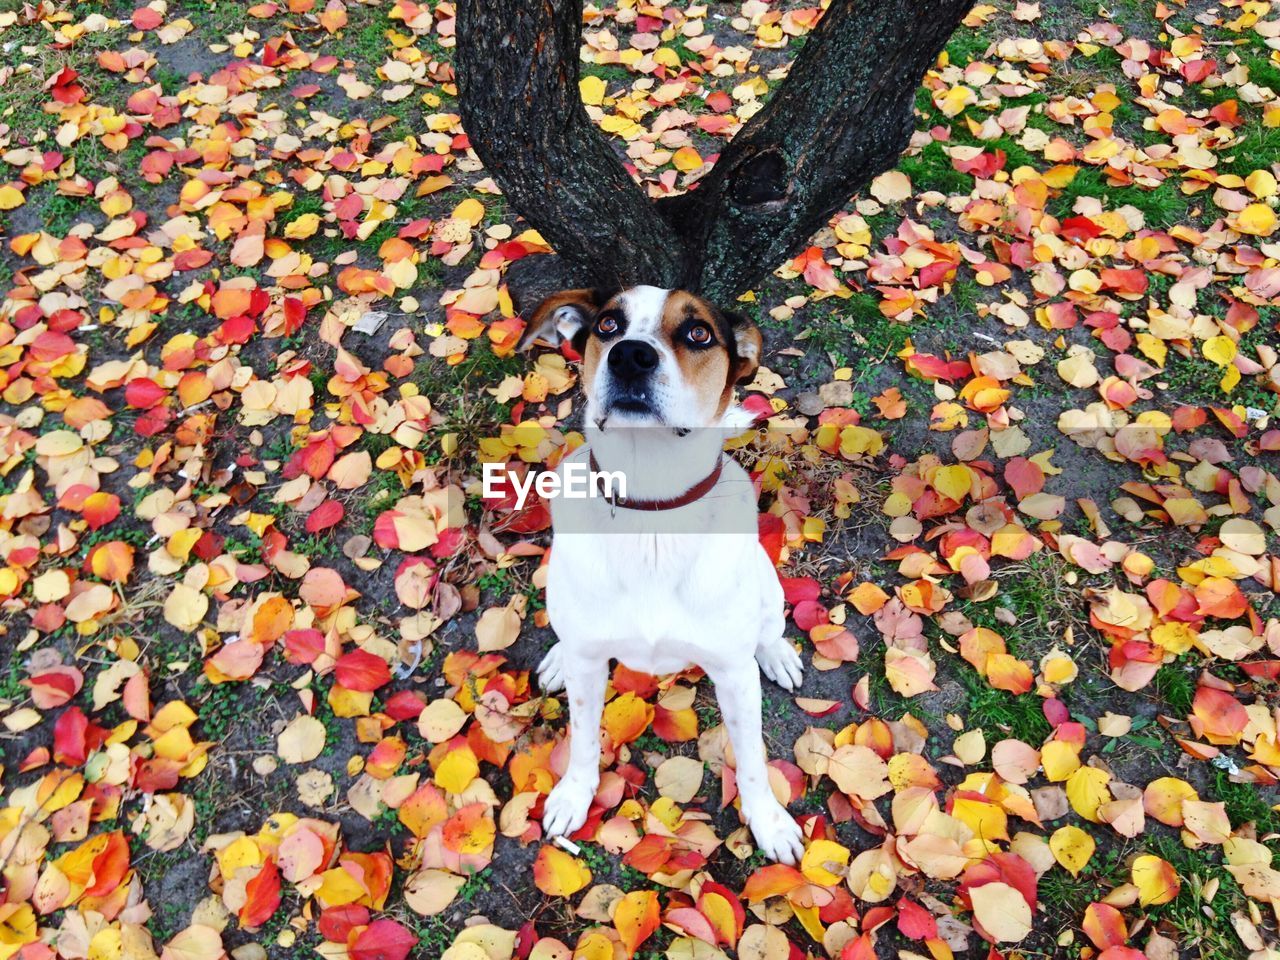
[651, 357]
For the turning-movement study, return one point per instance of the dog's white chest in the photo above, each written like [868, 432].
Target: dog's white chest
[660, 603]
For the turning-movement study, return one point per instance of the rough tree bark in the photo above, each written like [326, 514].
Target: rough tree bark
[841, 117]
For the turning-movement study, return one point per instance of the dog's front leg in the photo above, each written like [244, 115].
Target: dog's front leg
[568, 803]
[738, 692]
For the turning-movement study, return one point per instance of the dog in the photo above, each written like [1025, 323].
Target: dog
[672, 575]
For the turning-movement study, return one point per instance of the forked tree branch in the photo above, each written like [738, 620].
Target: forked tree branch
[517, 68]
[841, 117]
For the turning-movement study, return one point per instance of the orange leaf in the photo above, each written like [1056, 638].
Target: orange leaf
[112, 561]
[626, 718]
[772, 881]
[557, 874]
[636, 917]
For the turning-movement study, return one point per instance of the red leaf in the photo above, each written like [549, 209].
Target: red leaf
[328, 514]
[362, 671]
[915, 922]
[303, 646]
[110, 866]
[797, 589]
[860, 949]
[55, 687]
[295, 313]
[143, 394]
[262, 896]
[100, 509]
[336, 923]
[383, 940]
[404, 705]
[146, 18]
[1026, 478]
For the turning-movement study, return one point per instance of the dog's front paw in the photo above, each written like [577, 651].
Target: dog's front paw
[551, 670]
[781, 664]
[567, 807]
[776, 832]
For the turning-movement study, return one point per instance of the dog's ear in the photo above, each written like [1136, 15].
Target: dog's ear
[563, 316]
[747, 346]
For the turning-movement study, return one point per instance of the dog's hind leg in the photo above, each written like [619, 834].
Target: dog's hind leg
[776, 833]
[569, 802]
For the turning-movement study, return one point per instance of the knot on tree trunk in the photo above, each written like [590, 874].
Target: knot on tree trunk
[761, 180]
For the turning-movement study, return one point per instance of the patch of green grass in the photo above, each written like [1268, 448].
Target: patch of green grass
[1020, 717]
[1244, 803]
[967, 45]
[859, 318]
[931, 169]
[612, 74]
[222, 705]
[11, 688]
[435, 935]
[1195, 381]
[1251, 153]
[965, 294]
[1062, 892]
[1176, 685]
[1161, 208]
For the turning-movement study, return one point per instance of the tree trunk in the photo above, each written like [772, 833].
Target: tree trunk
[841, 117]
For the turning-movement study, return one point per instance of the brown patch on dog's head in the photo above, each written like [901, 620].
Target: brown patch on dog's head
[702, 340]
[731, 357]
[566, 315]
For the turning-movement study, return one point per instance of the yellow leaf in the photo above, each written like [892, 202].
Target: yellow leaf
[1002, 911]
[11, 197]
[1156, 880]
[1257, 219]
[591, 89]
[687, 159]
[970, 747]
[197, 942]
[338, 888]
[626, 718]
[470, 210]
[820, 857]
[952, 482]
[1261, 184]
[185, 607]
[1220, 350]
[1060, 760]
[636, 917]
[303, 227]
[1087, 790]
[457, 770]
[1071, 847]
[302, 740]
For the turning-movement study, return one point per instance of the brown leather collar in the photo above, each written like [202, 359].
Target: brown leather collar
[696, 492]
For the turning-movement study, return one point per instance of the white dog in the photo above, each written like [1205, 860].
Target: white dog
[673, 574]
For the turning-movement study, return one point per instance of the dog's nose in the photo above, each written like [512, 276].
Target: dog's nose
[632, 359]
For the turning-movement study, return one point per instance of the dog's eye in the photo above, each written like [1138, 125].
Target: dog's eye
[699, 335]
[607, 325]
